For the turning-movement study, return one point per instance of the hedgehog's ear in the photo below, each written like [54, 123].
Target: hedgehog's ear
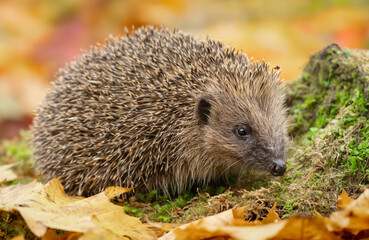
[203, 109]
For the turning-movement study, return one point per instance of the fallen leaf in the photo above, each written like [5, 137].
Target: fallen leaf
[160, 228]
[292, 228]
[6, 174]
[318, 215]
[218, 220]
[51, 235]
[201, 231]
[239, 213]
[304, 228]
[115, 191]
[18, 238]
[354, 218]
[272, 227]
[272, 216]
[47, 206]
[98, 234]
[343, 200]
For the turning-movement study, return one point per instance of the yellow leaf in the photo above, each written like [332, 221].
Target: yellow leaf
[239, 213]
[161, 228]
[292, 228]
[6, 174]
[51, 235]
[18, 238]
[304, 228]
[343, 200]
[353, 218]
[272, 216]
[47, 206]
[318, 215]
[190, 230]
[201, 231]
[115, 191]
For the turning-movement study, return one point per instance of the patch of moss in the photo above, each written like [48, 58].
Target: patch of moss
[329, 124]
[12, 225]
[18, 151]
[329, 82]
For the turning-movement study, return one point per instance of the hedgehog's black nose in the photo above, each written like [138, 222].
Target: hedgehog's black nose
[279, 167]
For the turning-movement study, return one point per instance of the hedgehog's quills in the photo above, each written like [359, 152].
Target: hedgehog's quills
[159, 110]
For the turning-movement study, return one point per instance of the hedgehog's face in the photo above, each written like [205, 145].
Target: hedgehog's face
[241, 132]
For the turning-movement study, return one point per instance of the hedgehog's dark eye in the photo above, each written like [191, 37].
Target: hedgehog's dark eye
[243, 131]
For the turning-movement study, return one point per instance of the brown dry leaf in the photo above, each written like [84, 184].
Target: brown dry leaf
[272, 227]
[227, 225]
[353, 218]
[201, 231]
[160, 228]
[272, 216]
[115, 191]
[47, 206]
[304, 228]
[343, 200]
[239, 213]
[98, 234]
[292, 228]
[51, 235]
[197, 229]
[20, 237]
[318, 215]
[6, 174]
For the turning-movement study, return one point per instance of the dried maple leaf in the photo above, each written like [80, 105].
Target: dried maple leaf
[47, 206]
[303, 228]
[354, 218]
[272, 216]
[344, 200]
[272, 227]
[6, 174]
[198, 229]
[18, 238]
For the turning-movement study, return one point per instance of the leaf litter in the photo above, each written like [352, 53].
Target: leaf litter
[47, 207]
[351, 222]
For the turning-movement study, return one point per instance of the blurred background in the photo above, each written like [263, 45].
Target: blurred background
[38, 36]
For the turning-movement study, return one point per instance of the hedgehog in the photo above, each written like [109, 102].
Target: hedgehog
[158, 109]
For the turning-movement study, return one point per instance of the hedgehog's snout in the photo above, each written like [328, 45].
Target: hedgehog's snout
[279, 167]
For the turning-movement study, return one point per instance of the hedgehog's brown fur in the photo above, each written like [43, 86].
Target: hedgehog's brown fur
[158, 110]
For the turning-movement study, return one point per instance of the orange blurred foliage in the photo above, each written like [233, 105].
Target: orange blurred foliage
[38, 37]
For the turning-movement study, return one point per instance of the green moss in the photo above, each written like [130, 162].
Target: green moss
[158, 207]
[18, 151]
[12, 225]
[329, 123]
[329, 82]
